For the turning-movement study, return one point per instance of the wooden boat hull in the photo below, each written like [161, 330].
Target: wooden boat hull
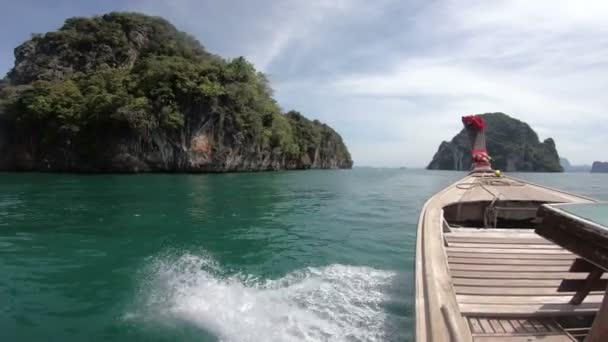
[467, 274]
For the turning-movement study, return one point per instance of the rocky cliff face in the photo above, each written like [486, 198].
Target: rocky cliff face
[512, 144]
[599, 167]
[206, 149]
[129, 93]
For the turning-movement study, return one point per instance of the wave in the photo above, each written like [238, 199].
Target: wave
[336, 302]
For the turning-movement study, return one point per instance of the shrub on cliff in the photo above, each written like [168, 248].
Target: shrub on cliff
[135, 74]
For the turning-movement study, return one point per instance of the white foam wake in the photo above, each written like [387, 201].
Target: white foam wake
[337, 302]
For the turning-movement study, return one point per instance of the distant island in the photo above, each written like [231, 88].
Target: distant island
[565, 163]
[126, 92]
[599, 167]
[512, 144]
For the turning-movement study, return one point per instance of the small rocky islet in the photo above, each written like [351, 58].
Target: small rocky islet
[599, 167]
[512, 144]
[127, 92]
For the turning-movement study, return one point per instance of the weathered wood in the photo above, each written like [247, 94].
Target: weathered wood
[538, 325]
[508, 233]
[475, 325]
[498, 329]
[488, 299]
[579, 336]
[496, 326]
[582, 293]
[578, 332]
[493, 234]
[487, 327]
[527, 325]
[498, 241]
[502, 261]
[517, 275]
[551, 337]
[501, 246]
[437, 283]
[516, 325]
[452, 324]
[460, 254]
[588, 240]
[507, 250]
[584, 238]
[536, 310]
[435, 298]
[507, 282]
[423, 312]
[514, 291]
[599, 329]
[499, 232]
[507, 326]
[509, 268]
[549, 325]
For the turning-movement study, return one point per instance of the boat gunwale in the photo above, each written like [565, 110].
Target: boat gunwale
[424, 326]
[552, 189]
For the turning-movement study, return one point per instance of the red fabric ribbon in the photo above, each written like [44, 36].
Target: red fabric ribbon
[481, 157]
[474, 121]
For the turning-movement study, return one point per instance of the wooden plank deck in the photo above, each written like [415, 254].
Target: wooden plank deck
[504, 268]
[559, 251]
[484, 325]
[528, 310]
[493, 275]
[504, 245]
[504, 329]
[497, 255]
[530, 262]
[481, 239]
[514, 274]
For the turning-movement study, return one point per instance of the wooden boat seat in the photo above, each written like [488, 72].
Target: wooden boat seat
[503, 329]
[513, 273]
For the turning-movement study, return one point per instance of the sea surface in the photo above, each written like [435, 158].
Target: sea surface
[279, 256]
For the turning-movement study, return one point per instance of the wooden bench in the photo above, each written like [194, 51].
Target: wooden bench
[583, 230]
[524, 329]
[517, 273]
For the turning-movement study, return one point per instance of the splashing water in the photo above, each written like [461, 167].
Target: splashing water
[336, 302]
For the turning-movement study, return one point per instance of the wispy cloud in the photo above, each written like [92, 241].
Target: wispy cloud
[542, 62]
[261, 30]
[394, 76]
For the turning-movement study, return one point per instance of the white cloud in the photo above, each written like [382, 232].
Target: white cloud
[393, 77]
[543, 62]
[530, 16]
[260, 30]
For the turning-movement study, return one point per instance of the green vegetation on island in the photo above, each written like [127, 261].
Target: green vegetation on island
[129, 92]
[511, 143]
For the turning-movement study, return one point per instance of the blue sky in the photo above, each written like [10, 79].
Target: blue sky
[394, 77]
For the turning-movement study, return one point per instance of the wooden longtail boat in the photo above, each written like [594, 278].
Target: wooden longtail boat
[483, 273]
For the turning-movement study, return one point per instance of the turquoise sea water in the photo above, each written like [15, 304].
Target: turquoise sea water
[284, 256]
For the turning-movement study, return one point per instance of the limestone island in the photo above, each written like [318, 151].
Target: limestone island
[512, 144]
[126, 92]
[599, 167]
